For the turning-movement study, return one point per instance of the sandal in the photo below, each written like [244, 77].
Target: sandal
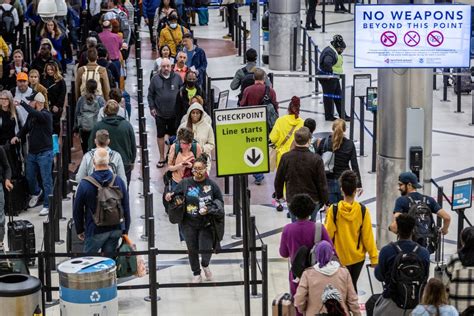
[161, 164]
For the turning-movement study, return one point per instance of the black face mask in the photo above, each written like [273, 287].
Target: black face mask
[191, 83]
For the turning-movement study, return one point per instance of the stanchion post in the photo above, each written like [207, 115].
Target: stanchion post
[271, 78]
[434, 79]
[264, 280]
[316, 65]
[239, 36]
[41, 278]
[237, 206]
[310, 66]
[472, 110]
[153, 281]
[47, 263]
[374, 143]
[245, 229]
[303, 55]
[351, 127]
[458, 84]
[146, 217]
[439, 221]
[253, 257]
[445, 85]
[226, 185]
[343, 96]
[361, 127]
[244, 41]
[323, 29]
[295, 48]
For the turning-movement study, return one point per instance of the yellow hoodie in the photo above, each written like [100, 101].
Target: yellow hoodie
[349, 220]
[280, 131]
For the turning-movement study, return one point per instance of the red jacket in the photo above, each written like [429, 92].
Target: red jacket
[253, 95]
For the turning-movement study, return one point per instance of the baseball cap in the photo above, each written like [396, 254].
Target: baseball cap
[409, 177]
[21, 76]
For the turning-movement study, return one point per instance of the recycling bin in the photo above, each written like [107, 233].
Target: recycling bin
[20, 294]
[88, 286]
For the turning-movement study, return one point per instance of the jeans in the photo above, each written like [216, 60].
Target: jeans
[153, 37]
[258, 176]
[85, 135]
[107, 242]
[313, 215]
[334, 189]
[2, 214]
[41, 163]
[198, 239]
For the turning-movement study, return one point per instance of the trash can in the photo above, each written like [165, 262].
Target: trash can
[20, 294]
[88, 286]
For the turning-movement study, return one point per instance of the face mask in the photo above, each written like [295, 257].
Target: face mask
[191, 83]
[173, 25]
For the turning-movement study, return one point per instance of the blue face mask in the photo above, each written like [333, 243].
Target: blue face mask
[173, 25]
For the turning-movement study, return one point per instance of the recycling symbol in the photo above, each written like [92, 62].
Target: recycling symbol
[95, 296]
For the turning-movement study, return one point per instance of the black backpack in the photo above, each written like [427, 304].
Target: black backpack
[305, 257]
[272, 114]
[7, 23]
[407, 278]
[425, 232]
[247, 81]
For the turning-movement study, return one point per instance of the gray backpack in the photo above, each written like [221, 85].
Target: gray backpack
[89, 114]
[109, 210]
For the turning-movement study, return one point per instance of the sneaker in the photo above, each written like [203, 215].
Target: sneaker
[207, 273]
[197, 279]
[44, 211]
[258, 182]
[316, 26]
[34, 199]
[227, 37]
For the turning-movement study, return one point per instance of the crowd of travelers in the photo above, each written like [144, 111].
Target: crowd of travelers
[313, 175]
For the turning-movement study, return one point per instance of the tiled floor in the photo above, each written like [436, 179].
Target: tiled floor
[453, 143]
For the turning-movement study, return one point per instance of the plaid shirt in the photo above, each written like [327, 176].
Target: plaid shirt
[461, 289]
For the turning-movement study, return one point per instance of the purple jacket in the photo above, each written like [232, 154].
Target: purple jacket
[295, 235]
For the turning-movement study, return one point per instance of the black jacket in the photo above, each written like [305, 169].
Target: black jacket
[182, 101]
[39, 127]
[343, 156]
[302, 172]
[327, 59]
[56, 94]
[5, 171]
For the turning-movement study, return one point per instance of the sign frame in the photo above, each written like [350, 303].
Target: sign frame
[223, 95]
[462, 206]
[415, 65]
[359, 81]
[265, 139]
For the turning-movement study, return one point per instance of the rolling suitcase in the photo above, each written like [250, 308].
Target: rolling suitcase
[283, 305]
[370, 304]
[21, 237]
[440, 272]
[73, 243]
[466, 85]
[16, 201]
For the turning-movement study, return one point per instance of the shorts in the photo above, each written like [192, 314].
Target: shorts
[165, 126]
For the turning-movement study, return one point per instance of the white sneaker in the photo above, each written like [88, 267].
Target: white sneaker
[197, 279]
[44, 211]
[34, 199]
[207, 273]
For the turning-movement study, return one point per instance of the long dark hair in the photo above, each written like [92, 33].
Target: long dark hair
[466, 253]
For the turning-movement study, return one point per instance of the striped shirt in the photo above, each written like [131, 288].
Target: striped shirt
[461, 284]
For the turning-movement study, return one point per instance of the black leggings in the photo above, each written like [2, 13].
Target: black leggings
[354, 271]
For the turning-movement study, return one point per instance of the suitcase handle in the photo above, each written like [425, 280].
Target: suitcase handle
[370, 279]
[10, 208]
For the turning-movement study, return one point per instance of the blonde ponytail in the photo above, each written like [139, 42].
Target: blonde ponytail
[338, 129]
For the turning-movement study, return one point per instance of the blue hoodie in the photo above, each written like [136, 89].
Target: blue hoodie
[149, 8]
[86, 201]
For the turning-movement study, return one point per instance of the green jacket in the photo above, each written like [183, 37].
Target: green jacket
[122, 137]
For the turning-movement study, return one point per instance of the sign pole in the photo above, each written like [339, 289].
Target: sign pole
[245, 226]
[362, 119]
[460, 226]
